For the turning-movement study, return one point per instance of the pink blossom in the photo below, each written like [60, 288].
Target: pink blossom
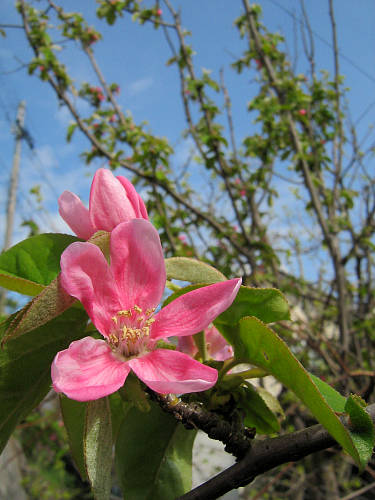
[159, 12]
[217, 346]
[242, 192]
[302, 112]
[121, 298]
[112, 200]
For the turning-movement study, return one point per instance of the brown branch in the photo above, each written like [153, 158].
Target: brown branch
[265, 455]
[236, 438]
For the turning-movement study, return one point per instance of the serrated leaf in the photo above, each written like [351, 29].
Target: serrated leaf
[361, 428]
[33, 263]
[25, 365]
[192, 270]
[256, 343]
[98, 447]
[335, 400]
[166, 473]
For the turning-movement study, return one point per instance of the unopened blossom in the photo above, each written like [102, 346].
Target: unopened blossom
[217, 347]
[121, 300]
[112, 200]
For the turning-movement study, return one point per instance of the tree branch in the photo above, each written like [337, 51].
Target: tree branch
[263, 456]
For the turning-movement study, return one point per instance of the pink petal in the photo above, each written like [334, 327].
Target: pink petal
[217, 347]
[137, 263]
[85, 275]
[194, 311]
[76, 215]
[134, 198]
[109, 204]
[88, 370]
[168, 371]
[187, 345]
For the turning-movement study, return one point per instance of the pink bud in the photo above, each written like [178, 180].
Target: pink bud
[242, 192]
[159, 12]
[302, 112]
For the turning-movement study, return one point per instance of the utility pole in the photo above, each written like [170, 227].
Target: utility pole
[19, 133]
[13, 184]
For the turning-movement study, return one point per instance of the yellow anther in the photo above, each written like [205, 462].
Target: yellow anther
[150, 311]
[127, 312]
[124, 331]
[146, 330]
[114, 319]
[137, 309]
[113, 338]
[140, 318]
[149, 321]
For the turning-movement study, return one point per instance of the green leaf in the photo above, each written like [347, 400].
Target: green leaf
[257, 413]
[153, 455]
[49, 304]
[98, 447]
[266, 304]
[335, 400]
[73, 413]
[33, 262]
[361, 428]
[255, 343]
[74, 416]
[192, 270]
[25, 365]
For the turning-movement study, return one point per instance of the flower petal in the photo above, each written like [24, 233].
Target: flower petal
[217, 347]
[134, 198]
[85, 275]
[194, 311]
[187, 345]
[76, 215]
[168, 371]
[88, 370]
[137, 263]
[109, 204]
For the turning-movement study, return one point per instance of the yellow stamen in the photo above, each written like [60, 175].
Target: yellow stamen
[137, 309]
[125, 313]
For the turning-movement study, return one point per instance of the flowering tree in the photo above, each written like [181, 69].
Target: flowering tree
[122, 380]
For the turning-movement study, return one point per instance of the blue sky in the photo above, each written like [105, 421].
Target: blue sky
[135, 58]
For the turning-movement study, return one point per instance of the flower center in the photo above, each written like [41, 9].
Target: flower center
[131, 331]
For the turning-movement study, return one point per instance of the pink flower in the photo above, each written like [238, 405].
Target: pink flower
[242, 192]
[112, 200]
[159, 12]
[302, 112]
[120, 299]
[217, 346]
